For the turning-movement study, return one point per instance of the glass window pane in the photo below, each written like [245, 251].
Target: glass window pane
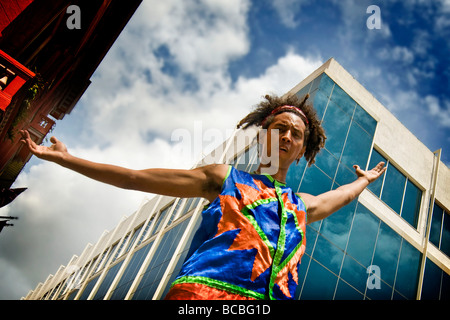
[398, 296]
[315, 83]
[376, 158]
[432, 281]
[315, 181]
[357, 147]
[319, 284]
[363, 235]
[354, 273]
[386, 252]
[346, 292]
[445, 289]
[328, 254]
[336, 227]
[89, 288]
[327, 162]
[295, 174]
[393, 188]
[107, 281]
[158, 264]
[343, 100]
[445, 240]
[335, 124]
[130, 273]
[383, 293]
[181, 258]
[408, 270]
[436, 222]
[411, 204]
[345, 175]
[320, 103]
[326, 85]
[160, 220]
[365, 120]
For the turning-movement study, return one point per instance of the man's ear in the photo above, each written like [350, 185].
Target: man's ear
[301, 153]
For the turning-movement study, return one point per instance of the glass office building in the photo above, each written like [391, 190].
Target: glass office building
[393, 242]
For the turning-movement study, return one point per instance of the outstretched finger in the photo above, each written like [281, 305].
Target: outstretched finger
[24, 134]
[26, 139]
[380, 167]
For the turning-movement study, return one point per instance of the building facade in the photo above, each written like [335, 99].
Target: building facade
[393, 242]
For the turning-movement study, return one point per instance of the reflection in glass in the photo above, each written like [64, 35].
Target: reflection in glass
[431, 288]
[411, 204]
[365, 120]
[408, 269]
[319, 284]
[315, 182]
[363, 236]
[346, 292]
[337, 226]
[357, 147]
[354, 273]
[320, 103]
[436, 222]
[328, 254]
[344, 175]
[383, 293]
[130, 273]
[326, 85]
[445, 239]
[343, 100]
[107, 281]
[394, 186]
[335, 123]
[156, 267]
[327, 162]
[386, 252]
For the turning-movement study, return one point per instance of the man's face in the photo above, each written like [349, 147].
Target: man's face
[291, 132]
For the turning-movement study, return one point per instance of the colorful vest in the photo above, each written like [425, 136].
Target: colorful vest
[249, 243]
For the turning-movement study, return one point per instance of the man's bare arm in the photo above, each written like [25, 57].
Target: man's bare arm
[199, 182]
[321, 206]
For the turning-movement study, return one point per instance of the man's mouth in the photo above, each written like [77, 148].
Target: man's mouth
[284, 149]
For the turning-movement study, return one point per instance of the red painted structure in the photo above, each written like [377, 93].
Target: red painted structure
[13, 76]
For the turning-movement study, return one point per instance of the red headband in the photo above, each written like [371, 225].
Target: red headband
[287, 108]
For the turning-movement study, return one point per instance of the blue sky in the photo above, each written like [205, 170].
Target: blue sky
[185, 64]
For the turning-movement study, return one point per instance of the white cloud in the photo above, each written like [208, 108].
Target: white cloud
[127, 117]
[397, 53]
[440, 111]
[287, 11]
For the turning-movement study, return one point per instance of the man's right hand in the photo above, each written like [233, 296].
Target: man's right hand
[53, 153]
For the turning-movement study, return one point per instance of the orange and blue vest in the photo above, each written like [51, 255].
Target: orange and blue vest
[249, 243]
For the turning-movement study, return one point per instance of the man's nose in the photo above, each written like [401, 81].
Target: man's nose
[286, 136]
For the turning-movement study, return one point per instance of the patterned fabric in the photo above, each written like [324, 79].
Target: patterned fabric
[249, 243]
